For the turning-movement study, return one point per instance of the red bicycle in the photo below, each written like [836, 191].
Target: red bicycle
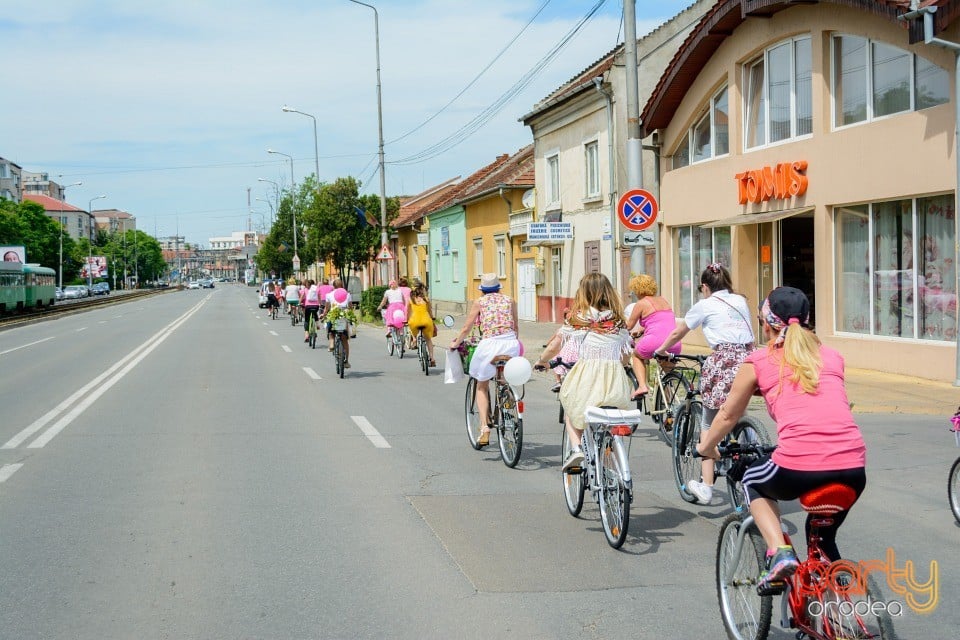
[823, 600]
[953, 480]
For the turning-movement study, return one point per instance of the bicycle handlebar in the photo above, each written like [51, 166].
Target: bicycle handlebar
[677, 357]
[733, 449]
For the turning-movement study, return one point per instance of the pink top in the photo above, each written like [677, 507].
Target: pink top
[324, 290]
[496, 315]
[815, 432]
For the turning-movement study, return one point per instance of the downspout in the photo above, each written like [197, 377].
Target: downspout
[513, 271]
[614, 227]
[928, 38]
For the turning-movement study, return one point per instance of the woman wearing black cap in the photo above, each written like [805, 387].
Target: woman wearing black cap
[802, 382]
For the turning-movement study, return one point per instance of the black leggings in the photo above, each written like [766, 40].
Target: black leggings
[768, 480]
[307, 312]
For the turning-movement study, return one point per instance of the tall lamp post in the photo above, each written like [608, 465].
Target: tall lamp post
[90, 242]
[269, 204]
[316, 149]
[293, 208]
[383, 182]
[63, 222]
[276, 190]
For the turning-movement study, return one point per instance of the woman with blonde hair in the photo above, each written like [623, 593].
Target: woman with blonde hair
[818, 442]
[596, 326]
[656, 319]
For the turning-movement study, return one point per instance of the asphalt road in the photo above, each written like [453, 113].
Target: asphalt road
[184, 467]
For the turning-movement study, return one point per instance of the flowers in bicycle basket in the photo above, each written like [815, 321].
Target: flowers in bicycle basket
[336, 313]
[466, 348]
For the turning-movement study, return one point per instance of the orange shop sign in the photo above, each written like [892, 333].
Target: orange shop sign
[780, 182]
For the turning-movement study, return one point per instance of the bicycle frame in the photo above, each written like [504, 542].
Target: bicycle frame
[590, 443]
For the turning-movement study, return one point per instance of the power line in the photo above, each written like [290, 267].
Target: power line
[492, 110]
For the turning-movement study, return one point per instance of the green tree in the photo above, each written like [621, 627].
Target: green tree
[28, 224]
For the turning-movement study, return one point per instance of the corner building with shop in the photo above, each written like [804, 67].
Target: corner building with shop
[812, 145]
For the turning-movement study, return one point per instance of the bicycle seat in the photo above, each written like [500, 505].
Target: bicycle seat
[829, 499]
[617, 416]
[500, 360]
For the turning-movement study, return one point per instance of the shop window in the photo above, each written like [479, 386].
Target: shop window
[592, 169]
[895, 271]
[873, 80]
[709, 137]
[779, 102]
[696, 247]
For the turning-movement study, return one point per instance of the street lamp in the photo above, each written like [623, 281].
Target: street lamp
[269, 204]
[383, 182]
[293, 208]
[276, 189]
[63, 222]
[316, 152]
[90, 242]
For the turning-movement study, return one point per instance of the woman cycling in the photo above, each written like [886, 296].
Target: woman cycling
[394, 306]
[596, 326]
[496, 315]
[818, 442]
[338, 297]
[311, 307]
[292, 295]
[723, 315]
[656, 319]
[419, 318]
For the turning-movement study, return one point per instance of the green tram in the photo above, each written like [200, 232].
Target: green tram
[26, 286]
[40, 286]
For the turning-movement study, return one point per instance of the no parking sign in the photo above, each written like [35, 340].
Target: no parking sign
[637, 209]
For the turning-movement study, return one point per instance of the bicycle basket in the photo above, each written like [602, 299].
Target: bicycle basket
[340, 324]
[467, 347]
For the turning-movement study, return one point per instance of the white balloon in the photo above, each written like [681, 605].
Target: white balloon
[517, 371]
[627, 310]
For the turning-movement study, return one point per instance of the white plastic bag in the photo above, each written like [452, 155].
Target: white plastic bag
[453, 369]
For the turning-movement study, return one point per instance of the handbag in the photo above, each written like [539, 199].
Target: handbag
[453, 368]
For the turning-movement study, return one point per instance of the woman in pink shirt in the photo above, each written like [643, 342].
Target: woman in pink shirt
[818, 442]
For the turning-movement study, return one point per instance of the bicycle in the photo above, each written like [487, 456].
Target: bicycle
[506, 415]
[312, 331]
[423, 353]
[395, 343]
[671, 389]
[823, 600]
[338, 328]
[294, 311]
[953, 480]
[687, 420]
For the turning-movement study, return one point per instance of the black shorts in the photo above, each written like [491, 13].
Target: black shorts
[272, 301]
[765, 479]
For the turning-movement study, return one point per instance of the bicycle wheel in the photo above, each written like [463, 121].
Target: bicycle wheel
[844, 609]
[423, 355]
[509, 426]
[746, 614]
[953, 489]
[633, 385]
[748, 430]
[614, 493]
[341, 355]
[671, 392]
[470, 414]
[391, 341]
[312, 333]
[574, 484]
[685, 439]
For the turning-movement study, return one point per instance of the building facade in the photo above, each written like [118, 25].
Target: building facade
[10, 181]
[76, 222]
[812, 145]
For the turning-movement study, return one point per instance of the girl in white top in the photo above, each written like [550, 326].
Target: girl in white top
[723, 316]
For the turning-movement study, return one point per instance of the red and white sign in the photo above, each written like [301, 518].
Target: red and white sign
[385, 253]
[637, 209]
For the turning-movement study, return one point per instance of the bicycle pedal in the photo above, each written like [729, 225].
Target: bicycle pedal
[572, 471]
[771, 589]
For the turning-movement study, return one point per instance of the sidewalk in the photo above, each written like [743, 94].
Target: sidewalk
[869, 391]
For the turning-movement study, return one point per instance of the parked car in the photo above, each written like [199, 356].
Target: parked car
[193, 284]
[267, 285]
[74, 291]
[59, 293]
[101, 289]
[206, 283]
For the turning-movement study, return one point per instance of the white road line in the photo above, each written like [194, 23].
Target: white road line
[8, 470]
[286, 348]
[274, 333]
[45, 419]
[313, 374]
[266, 324]
[24, 346]
[102, 322]
[372, 434]
[81, 329]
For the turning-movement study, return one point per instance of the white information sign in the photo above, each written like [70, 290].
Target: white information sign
[549, 231]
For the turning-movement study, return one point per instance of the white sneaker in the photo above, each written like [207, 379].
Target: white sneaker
[702, 492]
[573, 461]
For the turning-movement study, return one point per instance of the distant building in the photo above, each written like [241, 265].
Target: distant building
[10, 177]
[114, 220]
[41, 184]
[233, 241]
[76, 222]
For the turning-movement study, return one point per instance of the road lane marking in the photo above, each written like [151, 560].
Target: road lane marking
[8, 470]
[81, 329]
[45, 419]
[24, 346]
[274, 333]
[313, 374]
[286, 348]
[372, 434]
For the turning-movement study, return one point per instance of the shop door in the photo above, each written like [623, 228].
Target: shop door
[785, 257]
[526, 290]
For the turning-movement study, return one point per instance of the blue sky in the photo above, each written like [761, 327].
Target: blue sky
[168, 108]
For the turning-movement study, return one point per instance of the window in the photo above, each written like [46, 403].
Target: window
[873, 80]
[709, 137]
[478, 256]
[455, 265]
[779, 102]
[436, 266]
[879, 292]
[553, 181]
[592, 172]
[696, 248]
[416, 261]
[403, 261]
[501, 256]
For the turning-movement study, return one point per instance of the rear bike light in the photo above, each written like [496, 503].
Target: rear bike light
[520, 407]
[620, 430]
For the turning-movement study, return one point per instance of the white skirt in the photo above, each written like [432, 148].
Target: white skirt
[488, 349]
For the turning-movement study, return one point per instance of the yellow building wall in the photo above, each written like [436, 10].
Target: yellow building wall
[488, 220]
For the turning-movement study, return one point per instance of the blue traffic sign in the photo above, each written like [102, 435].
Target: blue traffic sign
[637, 209]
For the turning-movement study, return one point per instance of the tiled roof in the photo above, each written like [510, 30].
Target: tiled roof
[50, 204]
[723, 19]
[453, 196]
[574, 85]
[516, 171]
[412, 207]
